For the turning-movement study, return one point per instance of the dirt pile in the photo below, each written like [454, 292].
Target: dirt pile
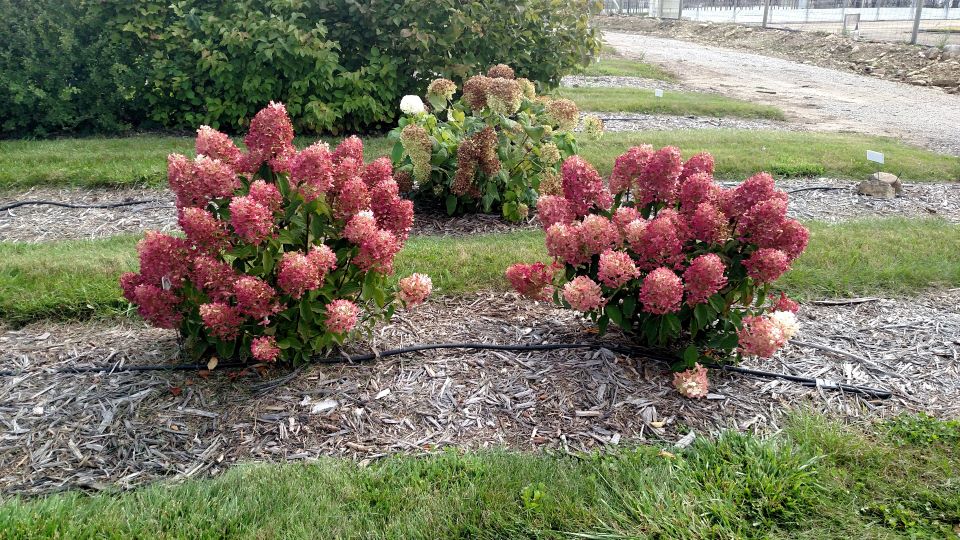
[913, 64]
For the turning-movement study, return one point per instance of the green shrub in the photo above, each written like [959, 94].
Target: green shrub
[60, 73]
[338, 65]
[494, 146]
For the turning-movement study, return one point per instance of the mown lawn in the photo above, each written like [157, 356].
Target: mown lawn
[76, 279]
[141, 160]
[815, 479]
[638, 100]
[625, 67]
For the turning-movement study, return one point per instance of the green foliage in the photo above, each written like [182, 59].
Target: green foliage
[60, 73]
[339, 65]
[484, 156]
[922, 429]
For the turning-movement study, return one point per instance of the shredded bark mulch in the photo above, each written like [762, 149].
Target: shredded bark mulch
[118, 430]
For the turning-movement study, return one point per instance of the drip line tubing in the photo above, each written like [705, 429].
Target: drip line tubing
[806, 381]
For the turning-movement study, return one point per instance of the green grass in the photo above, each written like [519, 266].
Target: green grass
[76, 279]
[740, 153]
[637, 100]
[625, 67]
[142, 160]
[103, 161]
[816, 479]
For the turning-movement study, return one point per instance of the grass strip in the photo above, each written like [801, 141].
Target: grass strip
[141, 160]
[625, 67]
[77, 279]
[639, 100]
[815, 479]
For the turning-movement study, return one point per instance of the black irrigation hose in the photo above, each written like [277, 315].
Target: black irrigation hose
[70, 205]
[814, 188]
[806, 381]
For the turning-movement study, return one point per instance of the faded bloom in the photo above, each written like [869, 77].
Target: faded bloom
[692, 383]
[442, 89]
[414, 289]
[593, 127]
[502, 71]
[551, 183]
[504, 96]
[549, 154]
[704, 278]
[532, 280]
[527, 87]
[475, 91]
[661, 292]
[341, 316]
[221, 320]
[616, 268]
[404, 179]
[412, 105]
[264, 349]
[583, 294]
[562, 113]
[760, 336]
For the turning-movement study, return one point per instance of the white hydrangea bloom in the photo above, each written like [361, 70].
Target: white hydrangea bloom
[788, 323]
[412, 105]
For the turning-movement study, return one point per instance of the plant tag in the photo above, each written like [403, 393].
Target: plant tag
[875, 156]
[165, 283]
[658, 92]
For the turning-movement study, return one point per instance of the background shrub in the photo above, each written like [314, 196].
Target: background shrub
[339, 65]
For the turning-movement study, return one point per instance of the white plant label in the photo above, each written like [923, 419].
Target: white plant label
[658, 92]
[875, 156]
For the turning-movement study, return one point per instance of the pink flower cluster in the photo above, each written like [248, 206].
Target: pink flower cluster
[532, 280]
[692, 383]
[674, 238]
[235, 271]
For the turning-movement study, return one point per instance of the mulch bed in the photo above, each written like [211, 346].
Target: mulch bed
[45, 223]
[119, 430]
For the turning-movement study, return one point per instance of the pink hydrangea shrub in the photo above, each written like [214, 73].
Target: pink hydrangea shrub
[285, 252]
[671, 257]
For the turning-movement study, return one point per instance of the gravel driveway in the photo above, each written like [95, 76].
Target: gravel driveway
[825, 99]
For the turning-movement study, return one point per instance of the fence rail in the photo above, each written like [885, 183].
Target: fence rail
[927, 22]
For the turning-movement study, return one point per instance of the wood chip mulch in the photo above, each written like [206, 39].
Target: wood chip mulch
[118, 430]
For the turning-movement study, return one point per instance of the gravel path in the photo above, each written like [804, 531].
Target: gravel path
[638, 122]
[826, 99]
[45, 223]
[99, 430]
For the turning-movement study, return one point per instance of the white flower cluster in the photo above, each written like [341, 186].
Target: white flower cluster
[788, 323]
[412, 105]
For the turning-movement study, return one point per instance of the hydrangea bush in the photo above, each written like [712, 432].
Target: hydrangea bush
[670, 257]
[284, 253]
[492, 148]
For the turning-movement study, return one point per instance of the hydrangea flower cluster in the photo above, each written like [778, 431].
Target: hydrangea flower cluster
[670, 256]
[454, 153]
[284, 252]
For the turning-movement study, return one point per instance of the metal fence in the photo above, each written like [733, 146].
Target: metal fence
[927, 22]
